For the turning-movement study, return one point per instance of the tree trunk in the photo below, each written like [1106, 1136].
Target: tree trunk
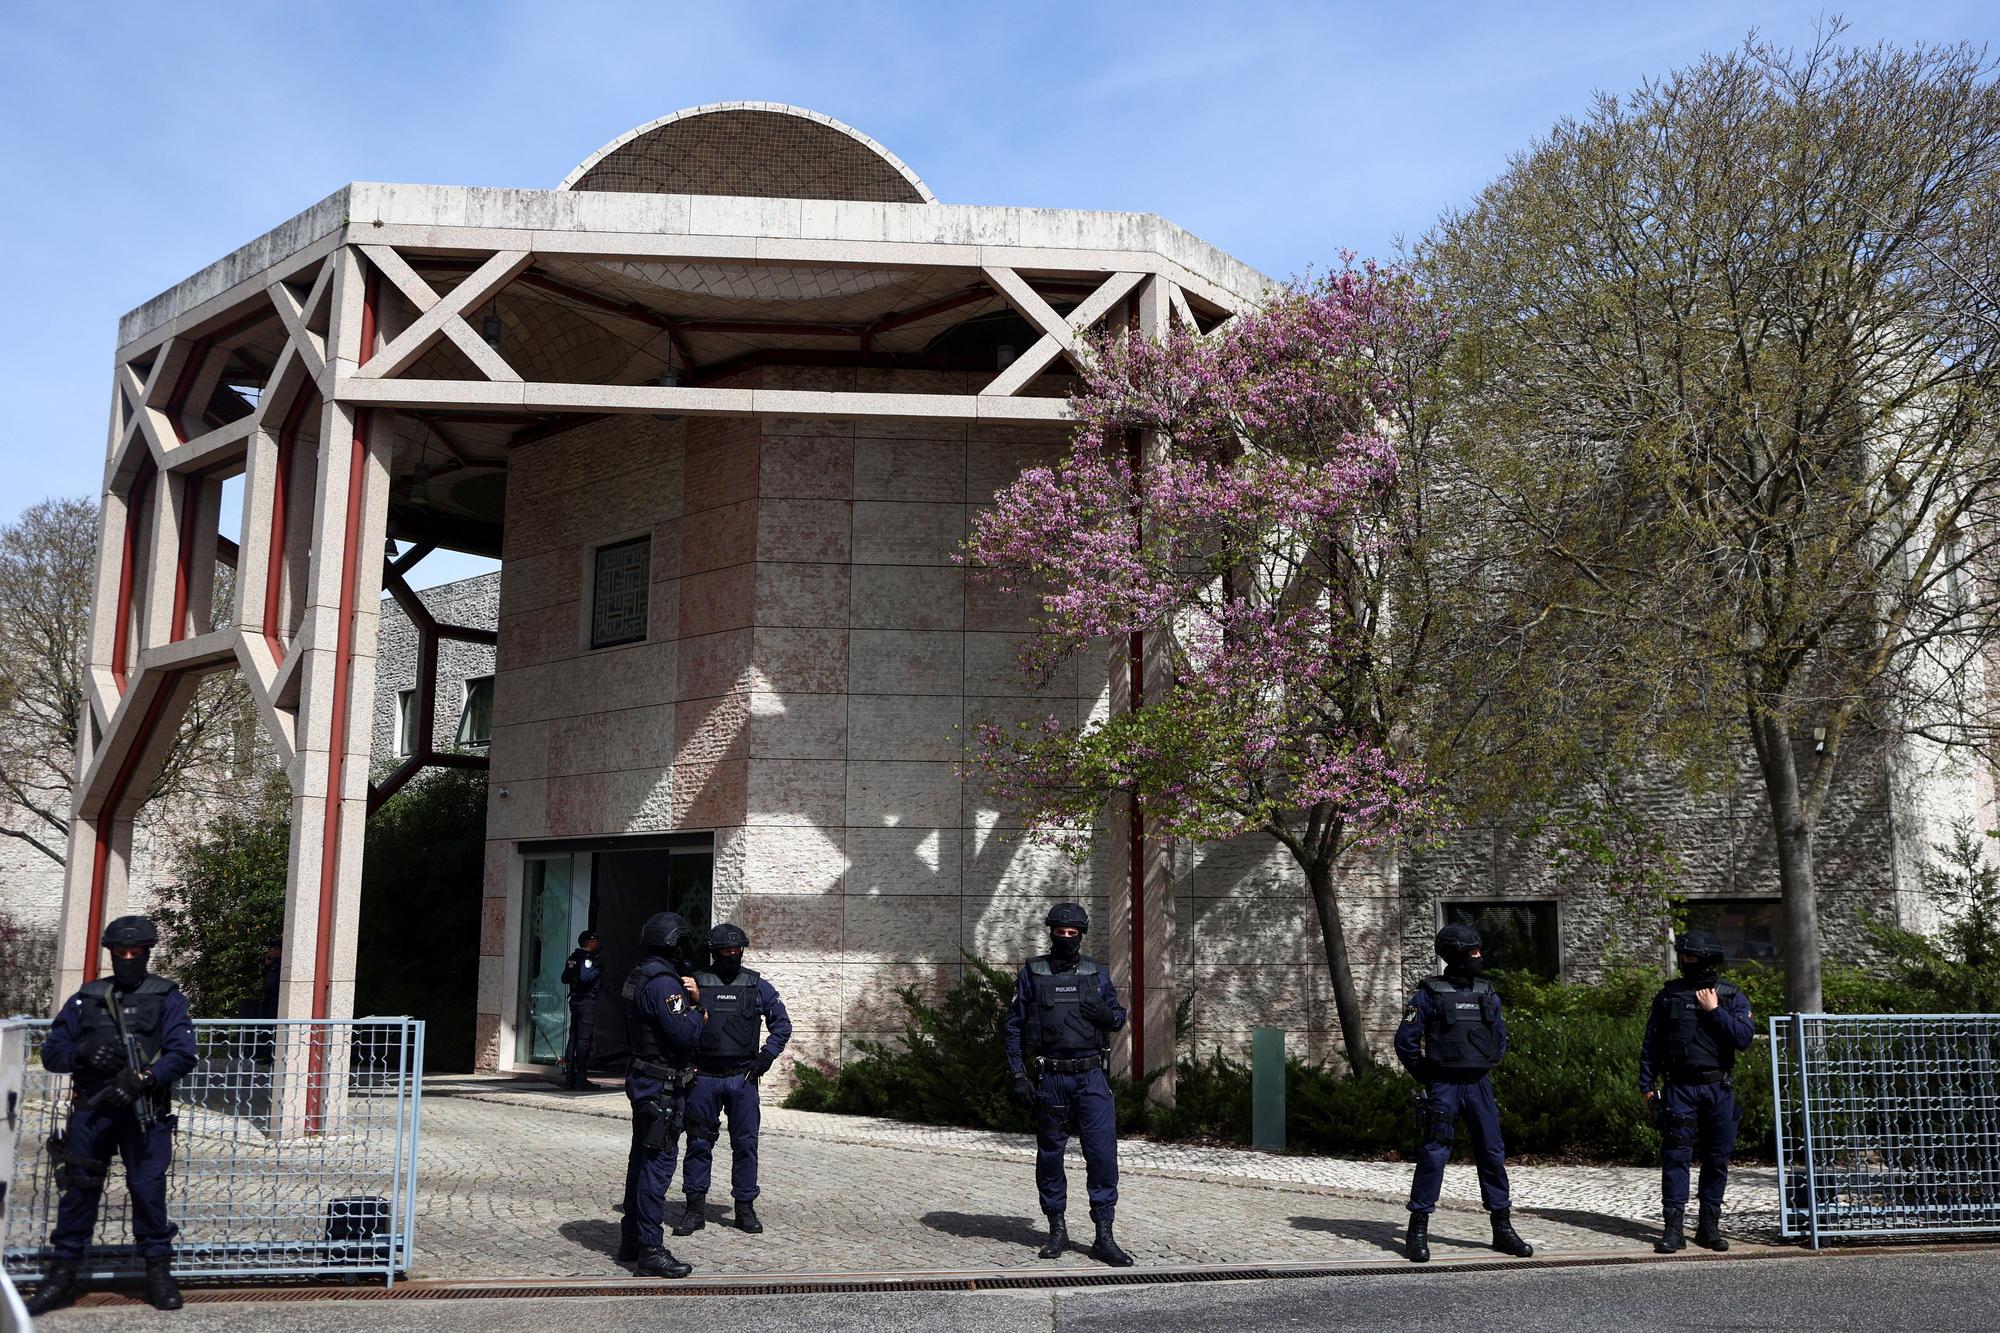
[1793, 832]
[1346, 1000]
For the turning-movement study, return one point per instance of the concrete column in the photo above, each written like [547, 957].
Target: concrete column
[1149, 991]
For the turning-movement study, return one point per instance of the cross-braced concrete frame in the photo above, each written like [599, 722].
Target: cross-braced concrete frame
[366, 297]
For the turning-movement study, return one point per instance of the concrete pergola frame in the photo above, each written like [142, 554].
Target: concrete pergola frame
[310, 574]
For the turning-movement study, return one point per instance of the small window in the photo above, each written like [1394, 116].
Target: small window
[475, 721]
[1752, 930]
[619, 592]
[1520, 937]
[406, 723]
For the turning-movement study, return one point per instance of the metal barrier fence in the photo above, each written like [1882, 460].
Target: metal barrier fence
[295, 1152]
[1887, 1124]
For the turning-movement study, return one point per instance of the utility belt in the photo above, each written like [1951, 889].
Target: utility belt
[674, 1076]
[1702, 1078]
[724, 1071]
[1081, 1064]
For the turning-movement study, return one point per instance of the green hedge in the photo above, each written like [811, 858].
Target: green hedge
[1568, 1088]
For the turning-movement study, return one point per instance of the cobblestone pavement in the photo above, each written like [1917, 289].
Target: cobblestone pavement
[519, 1179]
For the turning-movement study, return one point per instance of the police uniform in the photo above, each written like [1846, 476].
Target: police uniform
[1451, 1037]
[733, 1055]
[1065, 1009]
[1694, 1051]
[121, 1101]
[581, 974]
[661, 1028]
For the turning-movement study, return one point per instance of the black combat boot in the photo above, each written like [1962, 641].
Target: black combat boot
[1058, 1238]
[1671, 1239]
[162, 1292]
[1417, 1238]
[746, 1218]
[660, 1262]
[1708, 1228]
[59, 1288]
[1105, 1248]
[1505, 1238]
[695, 1217]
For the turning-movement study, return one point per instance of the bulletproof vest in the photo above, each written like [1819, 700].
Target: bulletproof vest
[642, 1035]
[1691, 1047]
[730, 1038]
[587, 974]
[1460, 1037]
[1055, 1022]
[145, 1017]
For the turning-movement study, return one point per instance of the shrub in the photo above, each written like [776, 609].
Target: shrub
[224, 898]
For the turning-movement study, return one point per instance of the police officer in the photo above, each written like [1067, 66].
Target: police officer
[581, 974]
[738, 1005]
[124, 1039]
[1450, 1039]
[663, 1022]
[1066, 1008]
[1697, 1025]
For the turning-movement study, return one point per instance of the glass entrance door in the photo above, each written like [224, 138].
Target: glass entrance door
[549, 896]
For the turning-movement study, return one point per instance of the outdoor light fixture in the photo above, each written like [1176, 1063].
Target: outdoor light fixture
[1005, 356]
[1819, 740]
[489, 329]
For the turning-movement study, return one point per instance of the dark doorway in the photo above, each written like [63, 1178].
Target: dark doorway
[626, 887]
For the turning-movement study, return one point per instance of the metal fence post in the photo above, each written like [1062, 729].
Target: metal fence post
[1267, 1089]
[1778, 1126]
[1806, 1127]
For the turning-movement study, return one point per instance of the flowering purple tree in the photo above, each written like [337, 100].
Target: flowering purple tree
[1234, 498]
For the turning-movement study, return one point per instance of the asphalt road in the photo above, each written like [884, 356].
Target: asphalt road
[1874, 1291]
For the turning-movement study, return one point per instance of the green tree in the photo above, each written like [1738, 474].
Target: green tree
[1729, 357]
[420, 896]
[1958, 969]
[224, 898]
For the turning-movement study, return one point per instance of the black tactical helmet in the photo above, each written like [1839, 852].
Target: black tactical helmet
[728, 935]
[663, 931]
[1456, 941]
[1067, 914]
[129, 932]
[1702, 945]
[585, 937]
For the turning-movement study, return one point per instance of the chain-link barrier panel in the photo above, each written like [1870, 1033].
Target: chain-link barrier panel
[294, 1153]
[1887, 1124]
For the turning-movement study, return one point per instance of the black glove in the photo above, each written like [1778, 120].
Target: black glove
[121, 1092]
[102, 1053]
[1097, 1012]
[1024, 1091]
[762, 1064]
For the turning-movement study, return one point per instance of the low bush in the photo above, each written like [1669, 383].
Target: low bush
[1568, 1088]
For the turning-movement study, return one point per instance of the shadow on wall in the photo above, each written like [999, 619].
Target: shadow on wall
[27, 969]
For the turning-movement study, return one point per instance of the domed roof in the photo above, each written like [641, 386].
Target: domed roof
[764, 149]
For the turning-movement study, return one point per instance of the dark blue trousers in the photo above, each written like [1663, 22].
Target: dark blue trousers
[146, 1153]
[711, 1096]
[1085, 1099]
[1698, 1117]
[648, 1176]
[1446, 1104]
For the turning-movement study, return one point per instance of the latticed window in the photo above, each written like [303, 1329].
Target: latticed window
[618, 593]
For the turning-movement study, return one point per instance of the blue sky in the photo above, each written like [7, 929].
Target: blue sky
[140, 142]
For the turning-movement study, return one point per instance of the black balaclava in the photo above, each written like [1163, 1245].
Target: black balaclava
[1701, 957]
[1065, 949]
[726, 944]
[1064, 952]
[1458, 946]
[728, 963]
[127, 973]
